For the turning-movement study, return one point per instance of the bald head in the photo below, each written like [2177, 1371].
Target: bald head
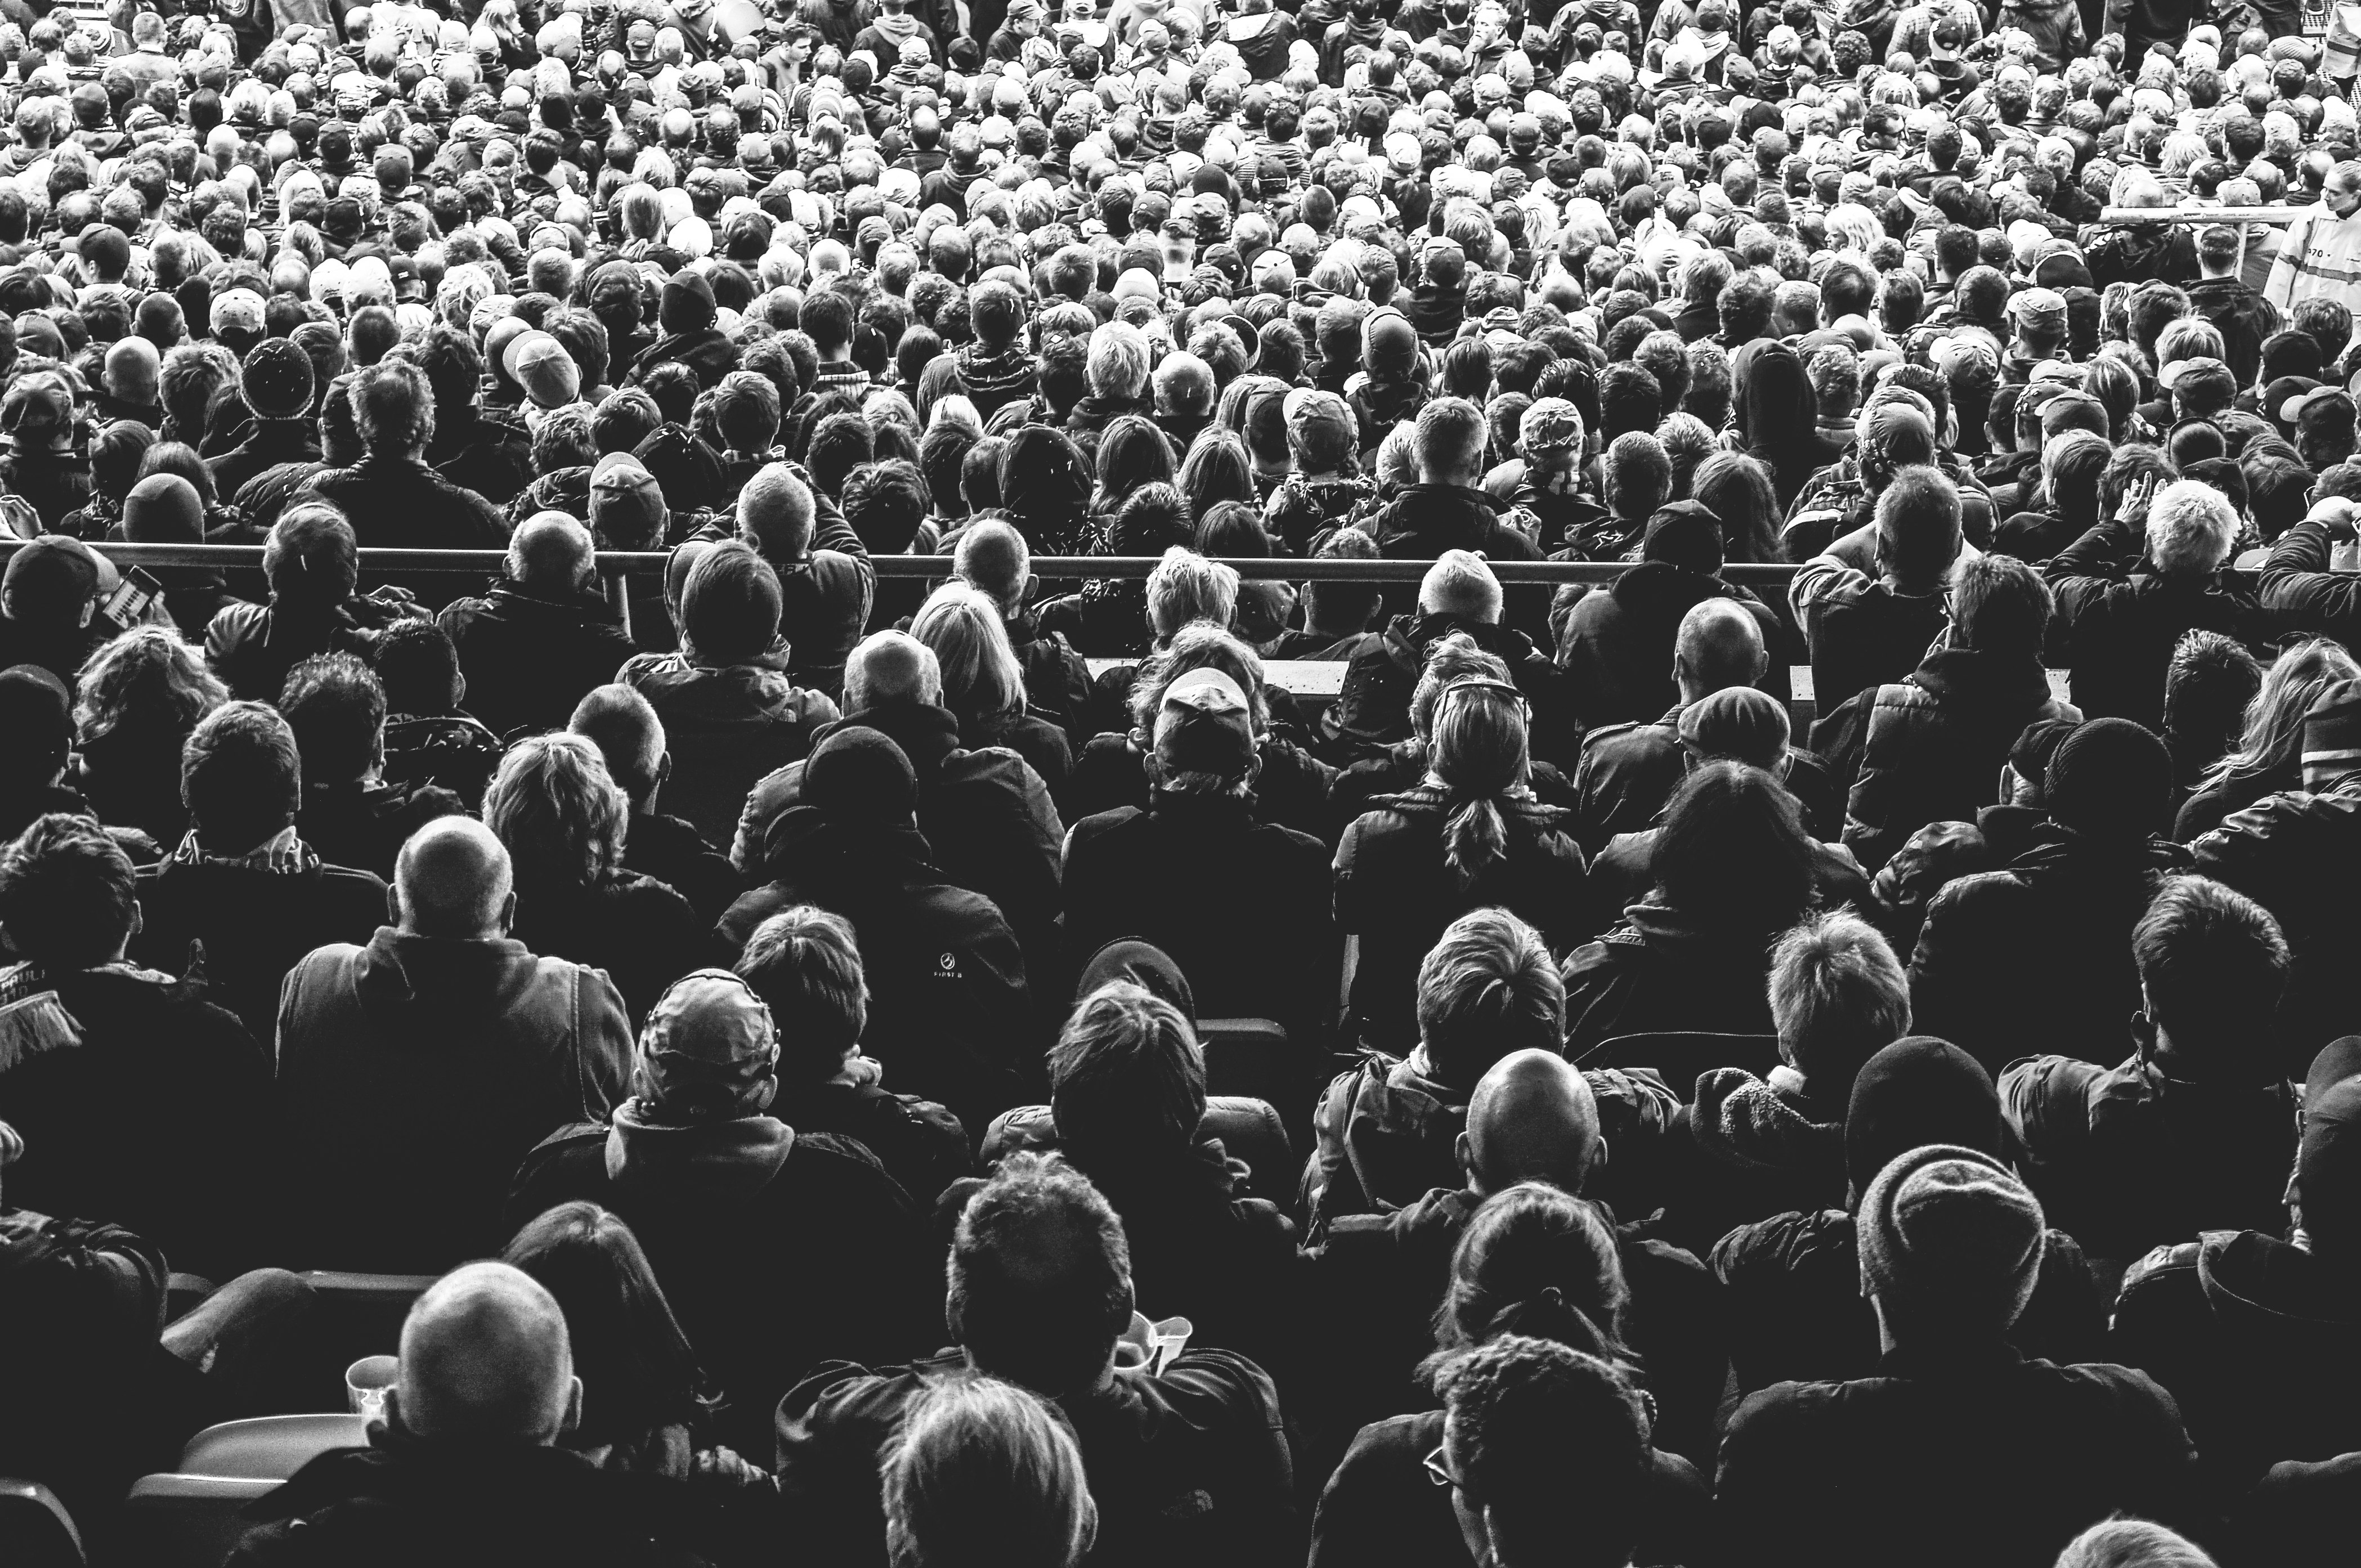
[132, 366]
[452, 879]
[991, 558]
[485, 1359]
[1718, 646]
[551, 552]
[891, 666]
[1533, 1118]
[774, 514]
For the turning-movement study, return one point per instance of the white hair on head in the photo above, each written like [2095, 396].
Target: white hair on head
[2190, 527]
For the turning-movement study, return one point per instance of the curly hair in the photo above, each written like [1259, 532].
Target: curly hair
[147, 673]
[559, 812]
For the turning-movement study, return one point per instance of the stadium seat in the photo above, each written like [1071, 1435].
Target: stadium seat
[270, 1448]
[36, 1531]
[1679, 1056]
[184, 1521]
[1250, 1130]
[1246, 1056]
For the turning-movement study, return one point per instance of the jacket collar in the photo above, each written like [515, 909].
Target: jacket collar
[724, 1159]
[928, 734]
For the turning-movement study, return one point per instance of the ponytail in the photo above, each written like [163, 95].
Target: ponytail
[1474, 838]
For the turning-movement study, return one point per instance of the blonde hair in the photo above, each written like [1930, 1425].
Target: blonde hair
[559, 812]
[2274, 733]
[147, 671]
[982, 680]
[1186, 586]
[1478, 752]
[985, 1474]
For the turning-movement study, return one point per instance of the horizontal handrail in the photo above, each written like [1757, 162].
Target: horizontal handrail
[624, 563]
[2119, 215]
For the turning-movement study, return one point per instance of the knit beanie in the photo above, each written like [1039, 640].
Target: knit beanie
[1684, 534]
[2111, 777]
[687, 303]
[1388, 344]
[1949, 1240]
[2332, 731]
[859, 775]
[1740, 723]
[164, 508]
[1915, 1091]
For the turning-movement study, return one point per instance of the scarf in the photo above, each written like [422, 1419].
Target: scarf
[33, 1018]
[282, 854]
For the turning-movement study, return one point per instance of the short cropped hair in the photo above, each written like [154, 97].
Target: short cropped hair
[731, 605]
[1041, 1276]
[1487, 989]
[393, 407]
[1839, 995]
[2212, 965]
[2191, 529]
[335, 705]
[1451, 436]
[241, 777]
[806, 966]
[1126, 1073]
[68, 894]
[2132, 1543]
[1999, 603]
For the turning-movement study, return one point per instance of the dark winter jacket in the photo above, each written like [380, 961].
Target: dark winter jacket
[363, 826]
[529, 657]
[1862, 632]
[1659, 971]
[2121, 630]
[253, 646]
[1628, 772]
[1372, 707]
[415, 1073]
[2300, 594]
[401, 503]
[727, 726]
[2243, 316]
[640, 933]
[2295, 854]
[1616, 644]
[1424, 520]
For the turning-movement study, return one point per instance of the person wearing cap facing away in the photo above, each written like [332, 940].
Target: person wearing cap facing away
[1616, 644]
[49, 595]
[408, 1174]
[2299, 591]
[2120, 630]
[1795, 1277]
[1736, 724]
[2057, 918]
[538, 641]
[686, 314]
[1241, 906]
[778, 1244]
[2290, 852]
[470, 1457]
[2242, 317]
[2038, 320]
[1459, 596]
[1322, 487]
[1957, 1442]
[2320, 254]
[952, 1018]
[275, 381]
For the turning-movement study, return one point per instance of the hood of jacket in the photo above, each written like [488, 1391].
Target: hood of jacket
[1408, 637]
[928, 735]
[1768, 1125]
[2269, 1288]
[1659, 587]
[1974, 678]
[804, 845]
[2059, 853]
[1446, 516]
[729, 1159]
[444, 974]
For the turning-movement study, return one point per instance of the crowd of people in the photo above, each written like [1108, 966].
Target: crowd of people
[933, 1066]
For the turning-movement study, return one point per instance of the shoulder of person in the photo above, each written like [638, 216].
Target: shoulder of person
[2157, 1274]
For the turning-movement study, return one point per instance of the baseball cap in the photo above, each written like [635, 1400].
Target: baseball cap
[1313, 415]
[54, 570]
[1204, 725]
[2294, 409]
[36, 709]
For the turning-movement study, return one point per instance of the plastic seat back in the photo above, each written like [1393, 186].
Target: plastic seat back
[270, 1448]
[36, 1531]
[1244, 1055]
[185, 1522]
[1250, 1130]
[1680, 1055]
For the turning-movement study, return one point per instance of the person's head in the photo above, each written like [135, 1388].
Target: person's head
[1532, 1117]
[731, 605]
[985, 1474]
[146, 675]
[991, 558]
[2000, 605]
[2110, 778]
[1636, 475]
[2191, 529]
[1918, 528]
[982, 680]
[1545, 1449]
[311, 558]
[2208, 687]
[1535, 1259]
[1343, 607]
[637, 1369]
[2212, 967]
[241, 778]
[2132, 1543]
[776, 514]
[891, 667]
[1718, 645]
[1951, 1246]
[623, 726]
[1732, 854]
[1839, 995]
[1450, 441]
[1040, 1277]
[560, 814]
[1486, 989]
[1186, 586]
[803, 962]
[452, 879]
[1127, 1078]
[552, 553]
[484, 1361]
[393, 407]
[68, 898]
[337, 704]
[1460, 584]
[1479, 752]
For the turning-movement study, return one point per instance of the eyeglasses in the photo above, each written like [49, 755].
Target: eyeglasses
[1438, 1470]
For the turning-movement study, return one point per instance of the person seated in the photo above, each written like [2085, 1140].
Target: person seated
[37, 715]
[49, 595]
[827, 583]
[1386, 1131]
[1459, 595]
[1954, 1417]
[991, 557]
[2135, 1543]
[692, 1162]
[401, 1167]
[1737, 724]
[1616, 642]
[1538, 1266]
[1926, 749]
[1793, 1280]
[1257, 932]
[729, 707]
[468, 1452]
[2063, 910]
[1445, 511]
[986, 814]
[1532, 1119]
[241, 898]
[1470, 836]
[394, 499]
[311, 562]
[139, 1099]
[534, 645]
[2120, 630]
[1732, 868]
[985, 1471]
[1874, 599]
[2211, 684]
[427, 739]
[953, 1018]
[1188, 1460]
[628, 735]
[2123, 1155]
[135, 702]
[1126, 1104]
[1336, 615]
[336, 707]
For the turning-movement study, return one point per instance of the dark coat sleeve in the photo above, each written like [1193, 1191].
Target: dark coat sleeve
[2300, 594]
